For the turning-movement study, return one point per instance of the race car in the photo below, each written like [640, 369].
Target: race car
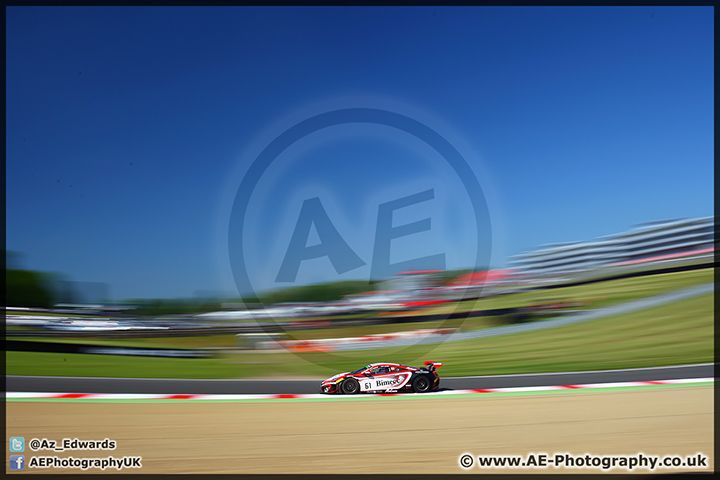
[385, 378]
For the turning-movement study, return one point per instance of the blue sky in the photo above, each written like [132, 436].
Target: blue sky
[130, 130]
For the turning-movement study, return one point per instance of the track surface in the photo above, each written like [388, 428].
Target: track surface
[173, 386]
[406, 435]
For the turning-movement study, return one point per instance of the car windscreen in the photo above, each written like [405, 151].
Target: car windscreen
[359, 370]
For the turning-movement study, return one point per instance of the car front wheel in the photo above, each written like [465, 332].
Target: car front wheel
[350, 386]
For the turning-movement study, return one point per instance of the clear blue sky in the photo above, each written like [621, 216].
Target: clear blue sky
[129, 130]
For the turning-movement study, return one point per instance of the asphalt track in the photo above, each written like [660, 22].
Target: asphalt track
[176, 386]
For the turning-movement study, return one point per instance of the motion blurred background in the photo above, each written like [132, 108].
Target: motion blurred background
[130, 131]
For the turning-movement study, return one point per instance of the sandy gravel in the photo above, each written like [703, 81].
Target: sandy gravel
[390, 435]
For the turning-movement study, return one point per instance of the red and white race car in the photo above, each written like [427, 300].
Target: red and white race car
[386, 378]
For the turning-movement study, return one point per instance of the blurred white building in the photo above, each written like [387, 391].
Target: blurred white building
[657, 240]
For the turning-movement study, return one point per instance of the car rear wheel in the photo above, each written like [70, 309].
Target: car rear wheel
[422, 384]
[350, 386]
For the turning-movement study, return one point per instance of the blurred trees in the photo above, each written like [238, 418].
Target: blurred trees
[25, 288]
[316, 293]
[178, 306]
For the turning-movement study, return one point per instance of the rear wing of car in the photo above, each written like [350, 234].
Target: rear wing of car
[432, 365]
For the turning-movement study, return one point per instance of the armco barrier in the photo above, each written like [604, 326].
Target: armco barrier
[76, 348]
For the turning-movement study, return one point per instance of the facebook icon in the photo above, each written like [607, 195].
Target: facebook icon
[17, 462]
